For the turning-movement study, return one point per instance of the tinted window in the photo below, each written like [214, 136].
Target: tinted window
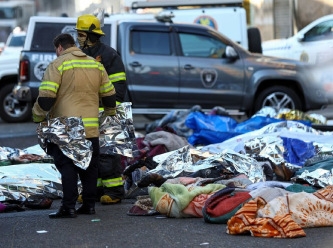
[44, 34]
[16, 41]
[145, 42]
[322, 31]
[195, 45]
[7, 13]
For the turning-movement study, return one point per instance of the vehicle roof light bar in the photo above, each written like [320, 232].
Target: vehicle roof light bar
[183, 3]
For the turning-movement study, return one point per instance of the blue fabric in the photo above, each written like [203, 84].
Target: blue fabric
[297, 151]
[255, 123]
[210, 129]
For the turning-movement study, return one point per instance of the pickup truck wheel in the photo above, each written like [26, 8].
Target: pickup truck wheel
[11, 110]
[278, 97]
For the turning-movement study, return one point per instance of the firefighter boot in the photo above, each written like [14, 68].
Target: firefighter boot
[100, 192]
[108, 200]
[113, 195]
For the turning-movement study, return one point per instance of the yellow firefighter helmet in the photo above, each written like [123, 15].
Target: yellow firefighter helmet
[89, 23]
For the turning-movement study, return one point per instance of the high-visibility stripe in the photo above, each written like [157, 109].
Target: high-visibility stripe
[106, 87]
[99, 182]
[71, 64]
[48, 85]
[117, 77]
[90, 122]
[114, 182]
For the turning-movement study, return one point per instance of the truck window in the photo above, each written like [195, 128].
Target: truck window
[145, 42]
[44, 34]
[322, 31]
[16, 41]
[10, 12]
[195, 45]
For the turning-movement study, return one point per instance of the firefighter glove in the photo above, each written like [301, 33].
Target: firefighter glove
[37, 118]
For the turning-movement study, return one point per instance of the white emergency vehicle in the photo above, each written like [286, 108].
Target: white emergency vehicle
[313, 43]
[226, 16]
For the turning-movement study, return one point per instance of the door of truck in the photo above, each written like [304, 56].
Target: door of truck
[206, 74]
[152, 70]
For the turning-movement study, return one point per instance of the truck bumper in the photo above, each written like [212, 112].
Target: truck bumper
[22, 93]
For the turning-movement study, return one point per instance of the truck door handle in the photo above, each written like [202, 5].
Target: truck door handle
[135, 64]
[188, 67]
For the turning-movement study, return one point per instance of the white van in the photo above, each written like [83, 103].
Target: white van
[14, 14]
[227, 17]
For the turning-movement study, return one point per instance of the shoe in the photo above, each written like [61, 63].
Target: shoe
[63, 213]
[85, 210]
[107, 200]
[80, 200]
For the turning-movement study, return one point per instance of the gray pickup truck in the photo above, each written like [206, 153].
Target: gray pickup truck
[175, 66]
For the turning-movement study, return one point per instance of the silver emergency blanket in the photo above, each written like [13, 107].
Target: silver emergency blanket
[19, 182]
[69, 134]
[117, 133]
[267, 142]
[181, 161]
[318, 177]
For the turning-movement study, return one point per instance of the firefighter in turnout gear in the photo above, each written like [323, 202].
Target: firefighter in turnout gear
[110, 186]
[74, 85]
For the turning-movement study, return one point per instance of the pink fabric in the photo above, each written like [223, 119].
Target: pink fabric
[195, 207]
[2, 207]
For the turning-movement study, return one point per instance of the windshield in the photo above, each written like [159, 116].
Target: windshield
[7, 13]
[16, 41]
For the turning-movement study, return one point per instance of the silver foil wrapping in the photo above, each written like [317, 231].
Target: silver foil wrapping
[20, 182]
[174, 163]
[318, 177]
[117, 133]
[69, 134]
[181, 161]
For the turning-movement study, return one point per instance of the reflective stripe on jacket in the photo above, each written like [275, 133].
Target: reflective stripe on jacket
[77, 81]
[110, 183]
[113, 64]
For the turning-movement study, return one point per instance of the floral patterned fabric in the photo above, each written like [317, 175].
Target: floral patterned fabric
[284, 216]
[246, 221]
[181, 199]
[306, 209]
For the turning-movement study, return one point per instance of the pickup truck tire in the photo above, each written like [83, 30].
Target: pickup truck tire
[278, 97]
[254, 40]
[11, 110]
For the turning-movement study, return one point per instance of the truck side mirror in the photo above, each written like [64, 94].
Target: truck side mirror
[230, 52]
[300, 37]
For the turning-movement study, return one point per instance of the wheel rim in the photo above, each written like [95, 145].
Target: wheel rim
[13, 107]
[279, 100]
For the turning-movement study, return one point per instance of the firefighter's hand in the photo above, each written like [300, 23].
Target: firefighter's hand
[37, 118]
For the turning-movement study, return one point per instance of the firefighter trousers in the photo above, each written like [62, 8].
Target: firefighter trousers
[70, 174]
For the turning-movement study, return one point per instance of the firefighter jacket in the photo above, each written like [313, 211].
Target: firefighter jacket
[75, 84]
[113, 65]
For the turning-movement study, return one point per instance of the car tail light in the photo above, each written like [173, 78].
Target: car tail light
[24, 70]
